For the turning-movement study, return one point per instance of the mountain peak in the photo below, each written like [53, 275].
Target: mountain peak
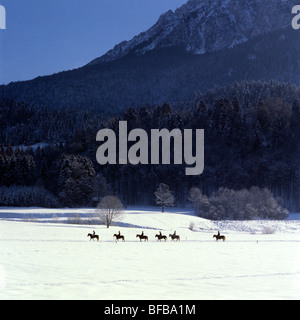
[202, 26]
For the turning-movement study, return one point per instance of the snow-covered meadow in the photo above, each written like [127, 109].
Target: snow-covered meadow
[40, 259]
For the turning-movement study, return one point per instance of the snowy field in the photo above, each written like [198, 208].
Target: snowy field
[40, 259]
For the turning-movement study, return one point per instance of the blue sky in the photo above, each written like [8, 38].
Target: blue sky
[44, 37]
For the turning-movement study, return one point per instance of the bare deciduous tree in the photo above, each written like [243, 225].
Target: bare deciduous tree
[109, 208]
[164, 197]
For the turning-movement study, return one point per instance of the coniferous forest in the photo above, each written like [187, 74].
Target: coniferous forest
[48, 155]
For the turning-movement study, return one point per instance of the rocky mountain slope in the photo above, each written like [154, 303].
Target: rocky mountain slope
[208, 26]
[203, 44]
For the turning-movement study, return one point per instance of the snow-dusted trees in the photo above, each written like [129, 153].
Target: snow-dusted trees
[24, 196]
[243, 204]
[164, 197]
[108, 209]
[251, 139]
[200, 201]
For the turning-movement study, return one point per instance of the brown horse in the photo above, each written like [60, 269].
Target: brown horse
[160, 237]
[118, 237]
[93, 236]
[219, 237]
[142, 237]
[174, 237]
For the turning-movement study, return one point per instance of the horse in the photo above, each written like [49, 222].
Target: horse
[93, 236]
[174, 237]
[142, 237]
[160, 237]
[219, 237]
[118, 237]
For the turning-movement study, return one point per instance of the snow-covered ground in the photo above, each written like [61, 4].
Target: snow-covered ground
[46, 260]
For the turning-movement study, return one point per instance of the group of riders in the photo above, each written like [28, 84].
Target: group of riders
[160, 234]
[174, 235]
[142, 234]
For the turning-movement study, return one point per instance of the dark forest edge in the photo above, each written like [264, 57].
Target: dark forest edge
[251, 143]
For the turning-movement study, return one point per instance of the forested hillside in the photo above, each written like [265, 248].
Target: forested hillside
[167, 74]
[251, 139]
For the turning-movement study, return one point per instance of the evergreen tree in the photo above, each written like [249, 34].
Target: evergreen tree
[76, 180]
